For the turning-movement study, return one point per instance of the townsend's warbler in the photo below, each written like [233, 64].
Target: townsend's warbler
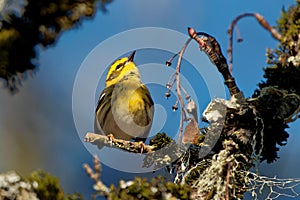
[125, 107]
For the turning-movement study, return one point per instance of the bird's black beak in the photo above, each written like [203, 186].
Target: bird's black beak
[130, 58]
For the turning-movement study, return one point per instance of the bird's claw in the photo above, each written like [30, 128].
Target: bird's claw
[142, 146]
[110, 138]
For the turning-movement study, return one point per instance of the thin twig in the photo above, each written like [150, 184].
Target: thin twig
[170, 84]
[260, 19]
[187, 96]
[230, 33]
[95, 176]
[182, 113]
[169, 62]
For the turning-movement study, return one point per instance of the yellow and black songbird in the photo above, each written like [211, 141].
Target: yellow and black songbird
[125, 107]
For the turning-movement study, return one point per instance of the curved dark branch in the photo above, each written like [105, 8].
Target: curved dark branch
[213, 50]
[260, 19]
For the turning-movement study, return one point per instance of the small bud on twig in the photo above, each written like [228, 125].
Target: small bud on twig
[261, 20]
[174, 107]
[168, 86]
[167, 94]
[169, 62]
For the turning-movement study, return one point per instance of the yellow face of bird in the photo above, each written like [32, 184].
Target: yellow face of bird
[120, 68]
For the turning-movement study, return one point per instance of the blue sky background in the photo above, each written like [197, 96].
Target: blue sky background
[36, 125]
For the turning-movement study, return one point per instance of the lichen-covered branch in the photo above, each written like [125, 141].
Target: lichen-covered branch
[110, 141]
[218, 174]
[37, 186]
[276, 187]
[13, 187]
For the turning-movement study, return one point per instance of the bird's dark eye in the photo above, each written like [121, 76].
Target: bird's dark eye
[119, 66]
